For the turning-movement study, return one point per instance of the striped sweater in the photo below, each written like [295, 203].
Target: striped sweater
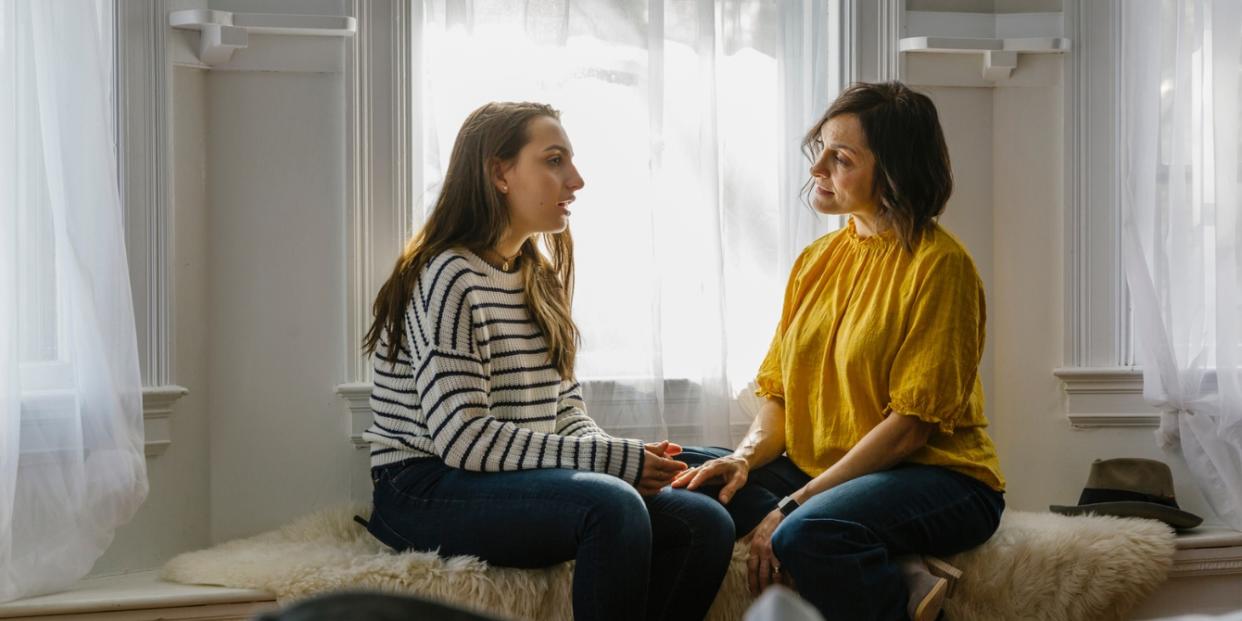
[473, 384]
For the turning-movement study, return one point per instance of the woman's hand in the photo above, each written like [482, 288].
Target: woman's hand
[658, 469]
[763, 568]
[731, 470]
[664, 448]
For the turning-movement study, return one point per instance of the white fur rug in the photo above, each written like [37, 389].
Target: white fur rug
[1037, 566]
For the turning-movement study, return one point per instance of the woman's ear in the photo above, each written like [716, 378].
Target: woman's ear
[499, 169]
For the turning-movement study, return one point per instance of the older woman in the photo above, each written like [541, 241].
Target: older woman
[871, 443]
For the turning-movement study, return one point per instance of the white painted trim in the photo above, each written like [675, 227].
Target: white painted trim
[843, 19]
[139, 595]
[1209, 550]
[888, 39]
[998, 39]
[144, 147]
[157, 410]
[877, 25]
[965, 45]
[1106, 397]
[380, 176]
[1206, 562]
[220, 33]
[144, 156]
[1097, 300]
[357, 396]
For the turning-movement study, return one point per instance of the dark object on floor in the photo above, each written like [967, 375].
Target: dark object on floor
[361, 606]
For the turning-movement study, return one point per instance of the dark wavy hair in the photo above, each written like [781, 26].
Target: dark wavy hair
[913, 177]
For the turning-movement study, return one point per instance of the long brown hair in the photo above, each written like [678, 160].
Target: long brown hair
[913, 177]
[471, 213]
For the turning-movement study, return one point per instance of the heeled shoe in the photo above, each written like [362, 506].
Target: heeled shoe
[927, 593]
[943, 569]
[930, 581]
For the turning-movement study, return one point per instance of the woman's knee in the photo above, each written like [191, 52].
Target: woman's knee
[611, 503]
[709, 520]
[800, 537]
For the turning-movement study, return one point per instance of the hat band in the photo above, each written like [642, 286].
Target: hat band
[1091, 496]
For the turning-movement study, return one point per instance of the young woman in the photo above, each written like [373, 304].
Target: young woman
[481, 443]
[871, 443]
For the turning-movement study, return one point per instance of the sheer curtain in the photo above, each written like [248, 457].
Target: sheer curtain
[685, 117]
[71, 440]
[1183, 240]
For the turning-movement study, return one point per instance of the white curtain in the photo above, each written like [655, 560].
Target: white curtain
[71, 440]
[685, 116]
[1182, 236]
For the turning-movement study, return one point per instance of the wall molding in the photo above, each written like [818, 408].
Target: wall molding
[1106, 397]
[157, 410]
[843, 26]
[357, 396]
[380, 176]
[144, 148]
[1216, 550]
[1097, 299]
[888, 39]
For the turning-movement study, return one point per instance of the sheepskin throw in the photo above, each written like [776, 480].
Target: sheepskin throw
[1037, 566]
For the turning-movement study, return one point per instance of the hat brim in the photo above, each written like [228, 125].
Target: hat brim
[1131, 508]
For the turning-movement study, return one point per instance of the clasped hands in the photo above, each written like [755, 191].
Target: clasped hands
[659, 467]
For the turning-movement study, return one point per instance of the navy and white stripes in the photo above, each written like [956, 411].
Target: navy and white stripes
[473, 384]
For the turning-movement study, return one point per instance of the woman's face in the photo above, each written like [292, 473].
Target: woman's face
[539, 183]
[842, 174]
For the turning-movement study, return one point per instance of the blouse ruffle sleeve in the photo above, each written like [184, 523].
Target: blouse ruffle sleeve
[937, 364]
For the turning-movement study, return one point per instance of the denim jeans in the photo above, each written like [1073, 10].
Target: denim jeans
[840, 546]
[661, 557]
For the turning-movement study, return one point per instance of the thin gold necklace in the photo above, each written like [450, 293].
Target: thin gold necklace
[505, 262]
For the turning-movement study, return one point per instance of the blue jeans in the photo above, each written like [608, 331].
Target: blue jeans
[840, 547]
[661, 557]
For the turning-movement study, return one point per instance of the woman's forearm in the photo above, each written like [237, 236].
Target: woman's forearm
[765, 441]
[885, 446]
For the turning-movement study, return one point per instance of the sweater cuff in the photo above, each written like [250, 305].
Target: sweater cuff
[627, 463]
[642, 459]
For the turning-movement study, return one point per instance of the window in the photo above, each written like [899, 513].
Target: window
[685, 117]
[49, 391]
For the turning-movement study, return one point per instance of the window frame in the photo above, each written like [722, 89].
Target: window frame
[1100, 375]
[381, 210]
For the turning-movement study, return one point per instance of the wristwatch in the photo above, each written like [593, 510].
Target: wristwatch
[787, 505]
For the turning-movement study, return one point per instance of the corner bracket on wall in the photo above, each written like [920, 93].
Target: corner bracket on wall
[999, 38]
[223, 32]
[1000, 56]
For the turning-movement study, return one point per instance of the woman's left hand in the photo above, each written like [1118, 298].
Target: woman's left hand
[763, 568]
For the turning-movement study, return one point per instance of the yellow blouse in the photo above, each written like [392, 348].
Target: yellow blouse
[867, 329]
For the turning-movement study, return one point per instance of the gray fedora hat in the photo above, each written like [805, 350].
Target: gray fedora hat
[1131, 487]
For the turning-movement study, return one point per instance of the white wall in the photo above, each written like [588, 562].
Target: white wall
[966, 116]
[276, 312]
[258, 253]
[174, 517]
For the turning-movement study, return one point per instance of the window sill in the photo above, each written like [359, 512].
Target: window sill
[1106, 397]
[157, 409]
[1208, 550]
